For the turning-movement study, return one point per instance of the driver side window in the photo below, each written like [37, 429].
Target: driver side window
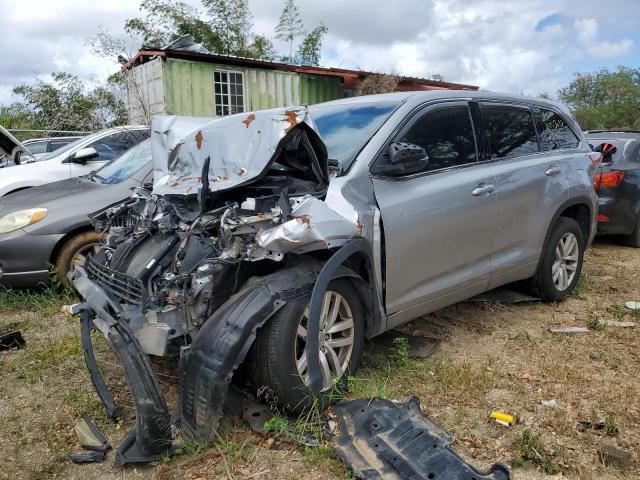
[447, 136]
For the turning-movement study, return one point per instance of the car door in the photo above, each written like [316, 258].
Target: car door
[530, 186]
[437, 222]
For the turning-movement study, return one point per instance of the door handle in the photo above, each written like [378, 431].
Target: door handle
[480, 189]
[552, 171]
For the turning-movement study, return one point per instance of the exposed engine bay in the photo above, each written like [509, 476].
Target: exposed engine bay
[195, 267]
[185, 256]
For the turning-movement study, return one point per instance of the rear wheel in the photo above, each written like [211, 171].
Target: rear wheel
[280, 361]
[633, 240]
[561, 261]
[74, 252]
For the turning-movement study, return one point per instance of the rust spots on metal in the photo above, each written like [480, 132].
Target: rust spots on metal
[305, 220]
[242, 172]
[174, 148]
[247, 121]
[292, 118]
[359, 225]
[199, 138]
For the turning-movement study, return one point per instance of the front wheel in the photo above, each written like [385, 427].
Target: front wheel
[280, 360]
[74, 252]
[561, 263]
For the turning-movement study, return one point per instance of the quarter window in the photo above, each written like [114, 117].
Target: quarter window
[229, 92]
[37, 147]
[447, 136]
[555, 134]
[510, 131]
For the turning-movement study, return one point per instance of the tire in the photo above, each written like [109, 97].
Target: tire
[547, 283]
[73, 253]
[633, 240]
[278, 346]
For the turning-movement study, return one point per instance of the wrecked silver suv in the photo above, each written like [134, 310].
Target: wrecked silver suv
[281, 239]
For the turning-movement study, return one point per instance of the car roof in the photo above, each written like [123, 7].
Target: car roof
[426, 96]
[613, 134]
[43, 139]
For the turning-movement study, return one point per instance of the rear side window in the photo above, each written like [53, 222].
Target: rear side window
[447, 136]
[555, 134]
[37, 147]
[510, 131]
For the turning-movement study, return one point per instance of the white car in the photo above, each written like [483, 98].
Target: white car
[73, 160]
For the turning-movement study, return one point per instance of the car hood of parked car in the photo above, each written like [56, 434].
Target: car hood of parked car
[240, 148]
[64, 194]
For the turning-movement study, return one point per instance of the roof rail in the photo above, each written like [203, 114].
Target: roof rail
[613, 130]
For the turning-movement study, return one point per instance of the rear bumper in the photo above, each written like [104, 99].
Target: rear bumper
[617, 216]
[24, 258]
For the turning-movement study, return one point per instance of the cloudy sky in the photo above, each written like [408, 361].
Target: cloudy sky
[525, 46]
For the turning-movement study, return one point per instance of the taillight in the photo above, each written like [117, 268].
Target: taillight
[608, 179]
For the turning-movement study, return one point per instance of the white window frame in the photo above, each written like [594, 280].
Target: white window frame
[227, 96]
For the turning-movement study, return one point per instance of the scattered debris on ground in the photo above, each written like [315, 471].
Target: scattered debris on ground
[379, 439]
[570, 330]
[611, 455]
[11, 340]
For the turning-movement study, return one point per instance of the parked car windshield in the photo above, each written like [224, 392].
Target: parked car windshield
[123, 167]
[345, 128]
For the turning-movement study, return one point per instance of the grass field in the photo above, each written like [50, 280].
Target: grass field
[492, 357]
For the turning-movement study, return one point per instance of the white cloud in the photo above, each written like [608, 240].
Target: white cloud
[587, 36]
[491, 43]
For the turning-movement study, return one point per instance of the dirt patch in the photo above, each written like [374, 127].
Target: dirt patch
[492, 357]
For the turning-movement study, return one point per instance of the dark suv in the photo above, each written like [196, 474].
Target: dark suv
[618, 184]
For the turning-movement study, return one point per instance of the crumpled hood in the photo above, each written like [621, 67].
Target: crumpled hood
[240, 148]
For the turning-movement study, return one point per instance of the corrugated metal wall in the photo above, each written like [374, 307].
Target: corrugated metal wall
[145, 90]
[188, 88]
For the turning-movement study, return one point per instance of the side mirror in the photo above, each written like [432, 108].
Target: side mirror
[83, 155]
[607, 150]
[407, 153]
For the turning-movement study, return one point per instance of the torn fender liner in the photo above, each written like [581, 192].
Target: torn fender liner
[240, 147]
[381, 439]
[206, 367]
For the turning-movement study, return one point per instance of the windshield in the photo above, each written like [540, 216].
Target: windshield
[123, 167]
[64, 149]
[345, 128]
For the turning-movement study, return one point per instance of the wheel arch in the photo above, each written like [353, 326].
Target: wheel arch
[67, 236]
[578, 209]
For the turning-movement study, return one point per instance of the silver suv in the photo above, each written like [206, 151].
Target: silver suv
[280, 240]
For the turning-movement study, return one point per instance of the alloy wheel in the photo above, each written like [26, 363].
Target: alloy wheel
[565, 261]
[80, 257]
[336, 340]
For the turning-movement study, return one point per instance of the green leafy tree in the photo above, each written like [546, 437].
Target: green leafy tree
[165, 21]
[262, 48]
[605, 99]
[289, 26]
[65, 103]
[231, 19]
[309, 51]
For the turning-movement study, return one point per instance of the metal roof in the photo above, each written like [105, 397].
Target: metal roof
[348, 77]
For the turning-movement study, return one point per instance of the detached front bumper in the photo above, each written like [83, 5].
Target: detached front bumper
[151, 439]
